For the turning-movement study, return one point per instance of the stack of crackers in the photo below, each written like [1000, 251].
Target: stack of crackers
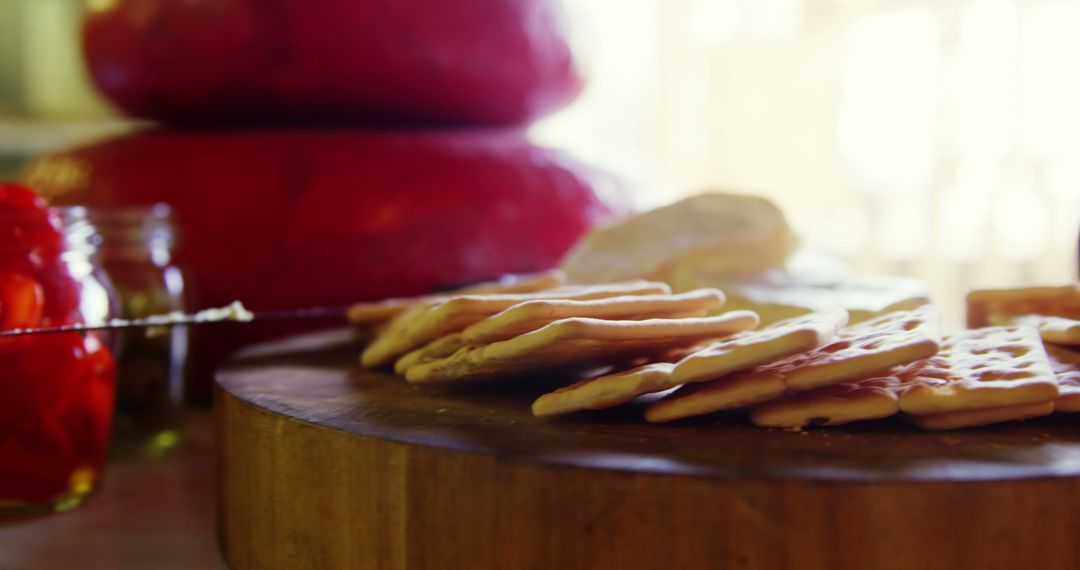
[614, 342]
[1052, 311]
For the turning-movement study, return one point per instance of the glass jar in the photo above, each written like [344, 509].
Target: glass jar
[56, 390]
[135, 248]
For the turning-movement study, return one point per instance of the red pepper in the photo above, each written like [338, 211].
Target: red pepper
[56, 391]
[21, 300]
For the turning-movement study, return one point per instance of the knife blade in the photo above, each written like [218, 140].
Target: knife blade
[234, 313]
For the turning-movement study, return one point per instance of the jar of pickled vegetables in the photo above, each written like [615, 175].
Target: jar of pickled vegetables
[56, 390]
[135, 247]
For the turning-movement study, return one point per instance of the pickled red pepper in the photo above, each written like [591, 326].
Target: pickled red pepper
[56, 391]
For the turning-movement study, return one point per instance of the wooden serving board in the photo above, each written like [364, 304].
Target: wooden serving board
[324, 465]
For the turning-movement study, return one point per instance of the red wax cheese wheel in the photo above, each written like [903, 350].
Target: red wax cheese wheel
[482, 62]
[281, 218]
[291, 218]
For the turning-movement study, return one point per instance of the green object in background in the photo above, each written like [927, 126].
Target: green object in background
[41, 68]
[10, 164]
[46, 101]
[11, 59]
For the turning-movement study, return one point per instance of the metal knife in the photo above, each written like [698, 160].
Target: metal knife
[234, 313]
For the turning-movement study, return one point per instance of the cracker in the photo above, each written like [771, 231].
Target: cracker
[979, 417]
[434, 350]
[531, 315]
[753, 348]
[861, 351]
[1057, 330]
[424, 323]
[867, 399]
[577, 343]
[1066, 365]
[984, 305]
[991, 367]
[605, 391]
[868, 347]
[741, 351]
[716, 364]
[739, 390]
[377, 312]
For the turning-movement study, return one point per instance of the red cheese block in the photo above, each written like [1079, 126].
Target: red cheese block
[465, 62]
[281, 218]
[291, 218]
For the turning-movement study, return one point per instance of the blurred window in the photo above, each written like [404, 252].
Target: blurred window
[934, 138]
[939, 139]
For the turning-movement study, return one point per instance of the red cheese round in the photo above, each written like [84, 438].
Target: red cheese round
[286, 218]
[464, 62]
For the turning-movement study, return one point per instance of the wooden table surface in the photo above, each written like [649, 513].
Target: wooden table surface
[325, 465]
[314, 378]
[153, 513]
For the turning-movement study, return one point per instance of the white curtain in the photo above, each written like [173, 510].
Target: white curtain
[939, 139]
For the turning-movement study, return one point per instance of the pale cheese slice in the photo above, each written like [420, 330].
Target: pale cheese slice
[778, 294]
[714, 231]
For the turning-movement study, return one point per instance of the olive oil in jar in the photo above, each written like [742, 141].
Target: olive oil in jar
[136, 251]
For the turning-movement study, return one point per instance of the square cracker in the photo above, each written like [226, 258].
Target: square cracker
[991, 367]
[424, 323]
[984, 306]
[739, 390]
[1066, 364]
[752, 348]
[577, 343]
[866, 348]
[605, 391]
[1057, 330]
[867, 399]
[984, 416]
[434, 350]
[739, 352]
[451, 343]
[531, 315]
[859, 351]
[716, 367]
[377, 312]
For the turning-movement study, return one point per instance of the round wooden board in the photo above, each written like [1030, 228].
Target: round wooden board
[324, 465]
